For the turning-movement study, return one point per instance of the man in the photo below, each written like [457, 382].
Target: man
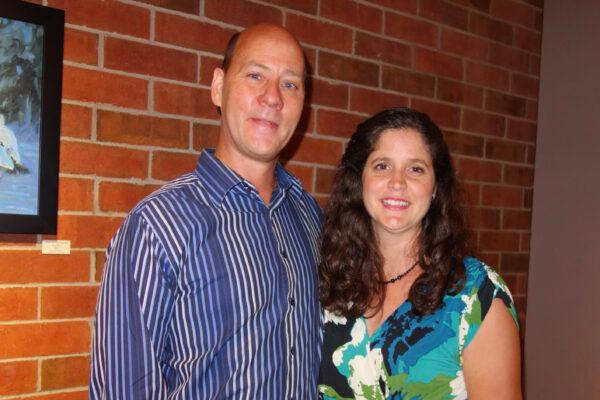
[209, 290]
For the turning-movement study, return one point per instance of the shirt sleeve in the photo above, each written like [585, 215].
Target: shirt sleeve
[132, 318]
[478, 301]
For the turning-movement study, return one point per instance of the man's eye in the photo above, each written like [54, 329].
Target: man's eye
[254, 75]
[290, 85]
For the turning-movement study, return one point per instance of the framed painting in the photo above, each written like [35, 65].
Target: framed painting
[31, 51]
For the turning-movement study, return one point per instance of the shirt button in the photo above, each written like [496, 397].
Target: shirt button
[292, 302]
[293, 351]
[284, 254]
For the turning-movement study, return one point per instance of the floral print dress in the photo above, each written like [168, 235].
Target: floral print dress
[409, 357]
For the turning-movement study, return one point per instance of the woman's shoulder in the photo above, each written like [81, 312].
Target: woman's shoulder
[478, 273]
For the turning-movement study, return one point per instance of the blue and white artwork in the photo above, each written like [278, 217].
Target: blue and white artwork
[21, 47]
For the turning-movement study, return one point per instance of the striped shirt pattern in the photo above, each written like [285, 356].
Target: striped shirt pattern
[208, 293]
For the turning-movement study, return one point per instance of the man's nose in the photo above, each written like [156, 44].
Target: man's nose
[271, 96]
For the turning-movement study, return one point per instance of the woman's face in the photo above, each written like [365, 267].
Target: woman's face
[398, 184]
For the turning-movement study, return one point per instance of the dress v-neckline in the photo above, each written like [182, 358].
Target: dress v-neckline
[372, 336]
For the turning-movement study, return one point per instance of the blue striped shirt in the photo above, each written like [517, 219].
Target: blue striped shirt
[208, 293]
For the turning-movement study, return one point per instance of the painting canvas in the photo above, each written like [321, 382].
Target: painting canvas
[31, 38]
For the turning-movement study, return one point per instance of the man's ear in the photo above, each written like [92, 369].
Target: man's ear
[216, 87]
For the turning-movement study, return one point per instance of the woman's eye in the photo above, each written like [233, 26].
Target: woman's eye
[380, 167]
[417, 169]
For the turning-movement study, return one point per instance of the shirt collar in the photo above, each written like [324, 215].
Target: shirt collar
[219, 179]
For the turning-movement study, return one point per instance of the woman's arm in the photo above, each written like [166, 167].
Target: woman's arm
[492, 361]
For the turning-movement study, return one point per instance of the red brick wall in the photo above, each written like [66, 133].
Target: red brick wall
[136, 111]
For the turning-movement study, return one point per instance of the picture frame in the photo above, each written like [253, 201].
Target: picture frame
[31, 55]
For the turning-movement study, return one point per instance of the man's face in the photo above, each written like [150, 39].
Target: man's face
[260, 95]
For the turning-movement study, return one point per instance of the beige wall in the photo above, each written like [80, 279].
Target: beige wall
[563, 314]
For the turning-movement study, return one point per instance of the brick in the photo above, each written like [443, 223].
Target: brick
[18, 304]
[24, 267]
[75, 121]
[348, 69]
[318, 33]
[514, 175]
[502, 196]
[528, 198]
[327, 94]
[18, 377]
[110, 16]
[505, 104]
[535, 65]
[482, 122]
[351, 13]
[539, 21]
[505, 150]
[438, 63]
[140, 58]
[325, 179]
[80, 46]
[99, 260]
[307, 121]
[384, 50]
[443, 115]
[525, 85]
[408, 82]
[87, 230]
[65, 372]
[471, 193]
[478, 170]
[530, 159]
[307, 6]
[83, 395]
[184, 100]
[311, 61]
[241, 12]
[207, 67]
[17, 239]
[466, 45]
[185, 6]
[445, 13]
[528, 40]
[499, 241]
[488, 76]
[532, 110]
[75, 194]
[514, 262]
[516, 219]
[192, 34]
[97, 160]
[372, 101]
[456, 92]
[101, 87]
[521, 130]
[483, 218]
[509, 57]
[481, 5]
[491, 28]
[169, 165]
[337, 123]
[408, 6]
[303, 173]
[68, 302]
[460, 143]
[525, 241]
[122, 197]
[512, 11]
[142, 129]
[492, 259]
[411, 29]
[313, 150]
[44, 339]
[205, 136]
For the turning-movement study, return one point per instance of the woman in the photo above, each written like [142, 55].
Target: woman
[407, 314]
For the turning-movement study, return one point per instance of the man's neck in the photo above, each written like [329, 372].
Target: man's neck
[260, 174]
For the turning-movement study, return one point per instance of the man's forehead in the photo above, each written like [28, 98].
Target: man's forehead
[297, 72]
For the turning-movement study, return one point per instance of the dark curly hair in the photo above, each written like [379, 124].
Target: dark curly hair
[351, 268]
